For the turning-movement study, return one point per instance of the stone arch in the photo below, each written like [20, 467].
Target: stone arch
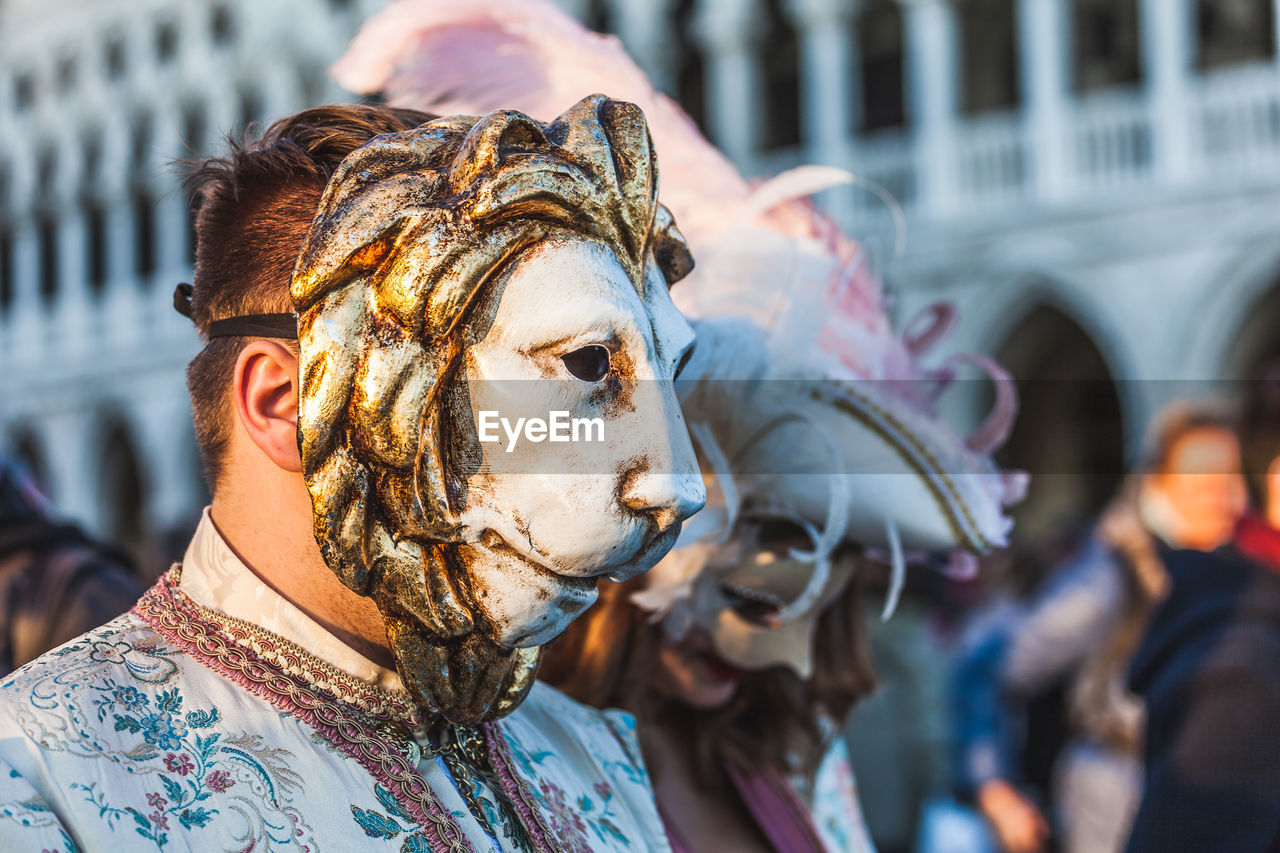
[1071, 431]
[8, 217]
[93, 205]
[1254, 351]
[144, 153]
[58, 163]
[193, 131]
[46, 220]
[1018, 291]
[25, 447]
[122, 484]
[1239, 292]
[989, 78]
[142, 193]
[250, 108]
[222, 24]
[20, 154]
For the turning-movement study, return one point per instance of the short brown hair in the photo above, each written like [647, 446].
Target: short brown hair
[1175, 422]
[254, 208]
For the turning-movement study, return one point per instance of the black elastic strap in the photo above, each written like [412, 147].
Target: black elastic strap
[255, 326]
[248, 326]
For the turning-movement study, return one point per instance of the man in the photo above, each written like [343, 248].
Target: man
[345, 659]
[1082, 625]
[1209, 673]
[55, 583]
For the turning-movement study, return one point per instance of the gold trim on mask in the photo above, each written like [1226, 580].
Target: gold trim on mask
[411, 229]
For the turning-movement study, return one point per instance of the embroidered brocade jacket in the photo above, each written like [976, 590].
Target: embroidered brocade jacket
[178, 726]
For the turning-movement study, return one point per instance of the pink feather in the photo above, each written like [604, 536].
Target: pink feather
[449, 56]
[764, 250]
[446, 56]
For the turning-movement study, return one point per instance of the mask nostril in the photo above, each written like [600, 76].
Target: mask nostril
[664, 518]
[665, 499]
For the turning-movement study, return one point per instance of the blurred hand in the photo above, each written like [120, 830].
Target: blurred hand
[1017, 822]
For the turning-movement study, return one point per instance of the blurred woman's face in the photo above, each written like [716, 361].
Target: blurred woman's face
[1203, 487]
[690, 672]
[743, 623]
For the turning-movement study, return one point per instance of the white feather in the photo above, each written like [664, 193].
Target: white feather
[898, 570]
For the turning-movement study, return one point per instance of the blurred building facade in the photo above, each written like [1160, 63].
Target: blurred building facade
[1095, 184]
[97, 98]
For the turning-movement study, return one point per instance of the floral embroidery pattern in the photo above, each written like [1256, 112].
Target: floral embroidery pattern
[237, 653]
[192, 760]
[567, 823]
[50, 714]
[833, 797]
[162, 741]
[34, 812]
[386, 826]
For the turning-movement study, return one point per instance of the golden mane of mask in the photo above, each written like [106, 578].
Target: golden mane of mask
[411, 228]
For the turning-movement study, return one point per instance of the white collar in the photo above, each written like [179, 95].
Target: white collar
[213, 576]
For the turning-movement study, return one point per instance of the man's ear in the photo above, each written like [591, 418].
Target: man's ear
[265, 390]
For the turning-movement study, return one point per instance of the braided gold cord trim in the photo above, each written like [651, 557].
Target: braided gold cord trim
[974, 534]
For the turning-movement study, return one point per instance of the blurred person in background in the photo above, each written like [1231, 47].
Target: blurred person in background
[1082, 625]
[1208, 671]
[899, 736]
[55, 582]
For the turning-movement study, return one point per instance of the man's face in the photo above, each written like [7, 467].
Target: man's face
[1203, 485]
[599, 490]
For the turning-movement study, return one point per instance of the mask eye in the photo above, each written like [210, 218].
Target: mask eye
[755, 606]
[589, 363]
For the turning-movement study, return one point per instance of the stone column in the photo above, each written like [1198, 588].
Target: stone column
[166, 441]
[121, 241]
[645, 29]
[113, 191]
[829, 73]
[26, 283]
[74, 468]
[73, 333]
[727, 30]
[1275, 29]
[932, 72]
[170, 205]
[1166, 51]
[1044, 51]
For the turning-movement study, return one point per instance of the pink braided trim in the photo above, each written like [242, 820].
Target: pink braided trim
[167, 610]
[517, 792]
